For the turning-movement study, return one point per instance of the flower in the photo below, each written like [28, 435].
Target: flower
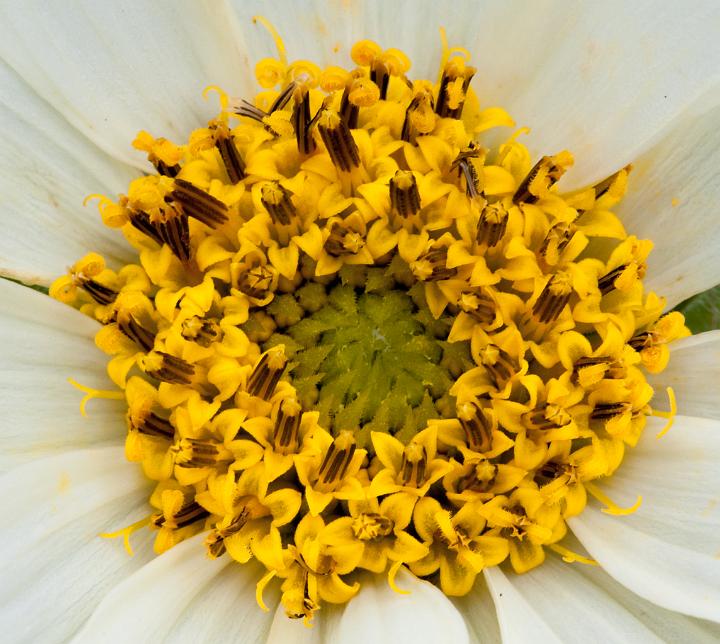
[92, 487]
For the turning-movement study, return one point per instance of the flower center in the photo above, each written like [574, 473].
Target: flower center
[356, 339]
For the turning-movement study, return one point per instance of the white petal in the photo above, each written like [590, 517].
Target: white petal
[169, 596]
[673, 198]
[694, 374]
[478, 610]
[113, 69]
[600, 79]
[667, 552]
[323, 628]
[44, 344]
[54, 568]
[47, 168]
[378, 614]
[519, 622]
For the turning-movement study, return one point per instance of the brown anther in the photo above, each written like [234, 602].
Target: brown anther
[454, 85]
[642, 341]
[371, 525]
[404, 195]
[266, 374]
[419, 117]
[102, 294]
[286, 433]
[553, 298]
[546, 416]
[606, 411]
[479, 305]
[465, 167]
[479, 476]
[173, 229]
[606, 283]
[380, 75]
[556, 242]
[167, 368]
[247, 109]
[198, 204]
[337, 461]
[150, 424]
[492, 225]
[605, 185]
[256, 282]
[339, 142]
[413, 467]
[141, 221]
[187, 515]
[202, 331]
[432, 266]
[141, 336]
[498, 363]
[548, 472]
[543, 175]
[478, 425]
[343, 241]
[302, 121]
[277, 201]
[233, 162]
[192, 452]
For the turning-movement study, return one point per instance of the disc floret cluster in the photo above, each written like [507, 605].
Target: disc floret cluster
[356, 339]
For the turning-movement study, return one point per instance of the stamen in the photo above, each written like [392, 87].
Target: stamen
[125, 533]
[404, 195]
[343, 241]
[193, 452]
[420, 115]
[150, 424]
[480, 477]
[606, 411]
[202, 331]
[478, 427]
[492, 225]
[198, 204]
[463, 164]
[413, 465]
[454, 85]
[286, 435]
[612, 508]
[172, 228]
[478, 304]
[432, 266]
[548, 472]
[167, 368]
[337, 460]
[276, 200]
[607, 282]
[91, 393]
[102, 294]
[302, 121]
[499, 364]
[225, 144]
[553, 299]
[380, 75]
[370, 526]
[267, 372]
[339, 142]
[556, 242]
[568, 556]
[141, 336]
[256, 282]
[546, 416]
[141, 221]
[188, 514]
[544, 174]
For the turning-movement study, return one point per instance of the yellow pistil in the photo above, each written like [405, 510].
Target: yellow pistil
[357, 337]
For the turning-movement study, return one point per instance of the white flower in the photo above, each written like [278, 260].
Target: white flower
[613, 82]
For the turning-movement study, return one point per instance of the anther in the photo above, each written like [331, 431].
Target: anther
[479, 305]
[420, 116]
[548, 472]
[432, 266]
[371, 525]
[128, 324]
[167, 368]
[478, 426]
[464, 165]
[173, 229]
[202, 331]
[609, 282]
[198, 204]
[141, 221]
[150, 424]
[546, 416]
[286, 434]
[267, 372]
[339, 142]
[359, 92]
[99, 292]
[343, 241]
[454, 85]
[553, 298]
[591, 370]
[413, 465]
[641, 341]
[187, 515]
[498, 363]
[556, 242]
[380, 75]
[225, 144]
[215, 541]
[337, 460]
[480, 477]
[404, 195]
[277, 202]
[191, 452]
[256, 282]
[302, 121]
[492, 225]
[606, 411]
[543, 175]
